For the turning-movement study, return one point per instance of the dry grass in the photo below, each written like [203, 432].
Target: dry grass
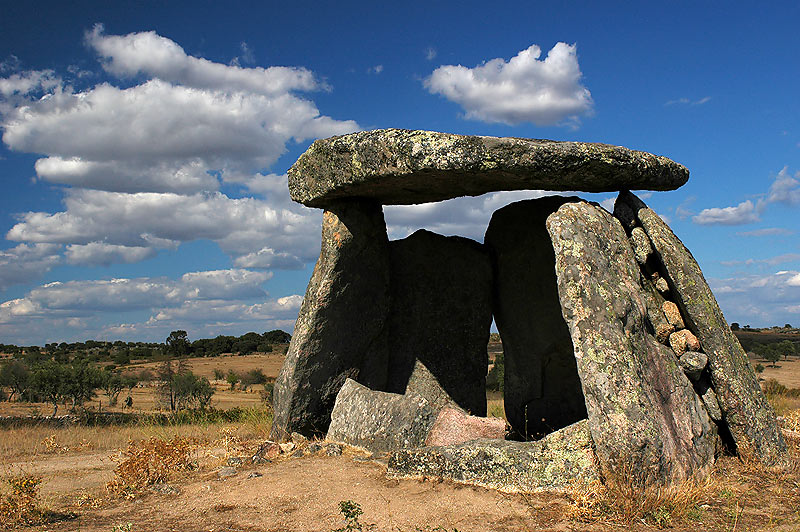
[149, 462]
[625, 503]
[29, 441]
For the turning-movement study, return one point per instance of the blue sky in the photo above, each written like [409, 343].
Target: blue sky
[144, 147]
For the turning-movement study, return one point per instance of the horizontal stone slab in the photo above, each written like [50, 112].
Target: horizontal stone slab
[562, 459]
[401, 167]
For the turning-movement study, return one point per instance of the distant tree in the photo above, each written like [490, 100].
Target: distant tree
[788, 326]
[759, 368]
[233, 378]
[252, 377]
[122, 356]
[772, 355]
[785, 348]
[82, 380]
[735, 326]
[277, 336]
[192, 391]
[495, 380]
[16, 376]
[49, 383]
[113, 385]
[167, 372]
[178, 344]
[130, 381]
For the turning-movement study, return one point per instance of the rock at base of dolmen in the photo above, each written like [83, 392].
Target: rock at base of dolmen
[339, 330]
[379, 421]
[397, 166]
[440, 313]
[646, 420]
[561, 460]
[453, 426]
[745, 409]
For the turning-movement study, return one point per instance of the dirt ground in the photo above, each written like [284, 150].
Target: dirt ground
[303, 494]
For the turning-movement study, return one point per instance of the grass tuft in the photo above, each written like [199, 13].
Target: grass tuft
[626, 503]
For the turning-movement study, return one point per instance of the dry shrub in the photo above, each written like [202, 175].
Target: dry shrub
[149, 462]
[52, 446]
[791, 420]
[20, 506]
[625, 503]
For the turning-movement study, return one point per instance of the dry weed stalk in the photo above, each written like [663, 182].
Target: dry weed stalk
[149, 462]
[627, 502]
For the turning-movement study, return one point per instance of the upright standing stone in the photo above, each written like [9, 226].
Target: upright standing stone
[647, 423]
[748, 415]
[339, 331]
[542, 391]
[441, 313]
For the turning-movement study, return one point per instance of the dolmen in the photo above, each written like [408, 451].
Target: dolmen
[619, 365]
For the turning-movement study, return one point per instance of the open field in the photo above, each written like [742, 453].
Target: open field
[302, 493]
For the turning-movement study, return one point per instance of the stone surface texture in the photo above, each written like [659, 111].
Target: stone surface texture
[379, 421]
[453, 426]
[693, 363]
[749, 417]
[542, 390]
[646, 421]
[396, 166]
[641, 245]
[423, 382]
[558, 461]
[440, 313]
[673, 314]
[339, 330]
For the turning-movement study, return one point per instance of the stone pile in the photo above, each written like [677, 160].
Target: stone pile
[619, 362]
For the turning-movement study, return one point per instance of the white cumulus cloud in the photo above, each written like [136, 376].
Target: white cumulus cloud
[744, 213]
[159, 220]
[24, 263]
[524, 89]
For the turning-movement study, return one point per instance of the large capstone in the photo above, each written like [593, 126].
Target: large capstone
[397, 166]
[745, 410]
[563, 459]
[647, 423]
[339, 332]
[441, 313]
[542, 391]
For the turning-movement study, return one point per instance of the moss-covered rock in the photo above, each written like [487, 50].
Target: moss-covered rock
[560, 460]
[745, 410]
[396, 166]
[647, 423]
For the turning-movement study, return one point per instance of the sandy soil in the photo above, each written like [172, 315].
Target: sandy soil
[302, 494]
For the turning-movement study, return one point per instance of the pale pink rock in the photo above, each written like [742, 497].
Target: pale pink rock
[682, 341]
[453, 426]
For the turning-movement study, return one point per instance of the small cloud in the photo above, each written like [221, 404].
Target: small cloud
[767, 231]
[785, 188]
[377, 69]
[430, 53]
[745, 212]
[687, 101]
